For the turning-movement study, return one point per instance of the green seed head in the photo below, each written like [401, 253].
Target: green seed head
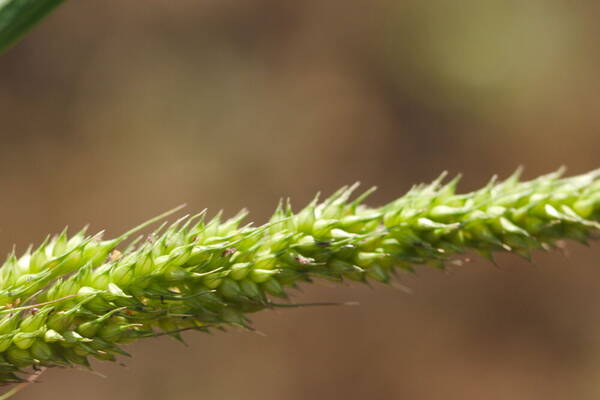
[75, 298]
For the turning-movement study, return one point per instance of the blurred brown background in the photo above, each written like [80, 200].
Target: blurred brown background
[113, 111]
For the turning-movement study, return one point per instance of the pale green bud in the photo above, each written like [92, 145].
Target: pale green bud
[51, 336]
[230, 289]
[35, 321]
[5, 341]
[274, 288]
[24, 340]
[262, 275]
[19, 357]
[9, 323]
[59, 244]
[145, 265]
[240, 270]
[322, 227]
[72, 338]
[61, 320]
[250, 289]
[212, 281]
[41, 351]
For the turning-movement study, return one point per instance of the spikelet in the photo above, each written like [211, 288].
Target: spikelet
[78, 297]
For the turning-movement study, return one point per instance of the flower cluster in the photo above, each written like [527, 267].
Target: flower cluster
[79, 297]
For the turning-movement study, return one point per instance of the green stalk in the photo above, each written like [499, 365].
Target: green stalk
[76, 298]
[17, 17]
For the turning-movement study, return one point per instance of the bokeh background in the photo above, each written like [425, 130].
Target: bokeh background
[114, 111]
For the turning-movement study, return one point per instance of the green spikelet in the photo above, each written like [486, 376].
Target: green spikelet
[75, 298]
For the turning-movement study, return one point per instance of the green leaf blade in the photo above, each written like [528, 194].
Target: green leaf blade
[17, 17]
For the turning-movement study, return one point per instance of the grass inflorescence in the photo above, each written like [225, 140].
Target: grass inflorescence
[78, 297]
